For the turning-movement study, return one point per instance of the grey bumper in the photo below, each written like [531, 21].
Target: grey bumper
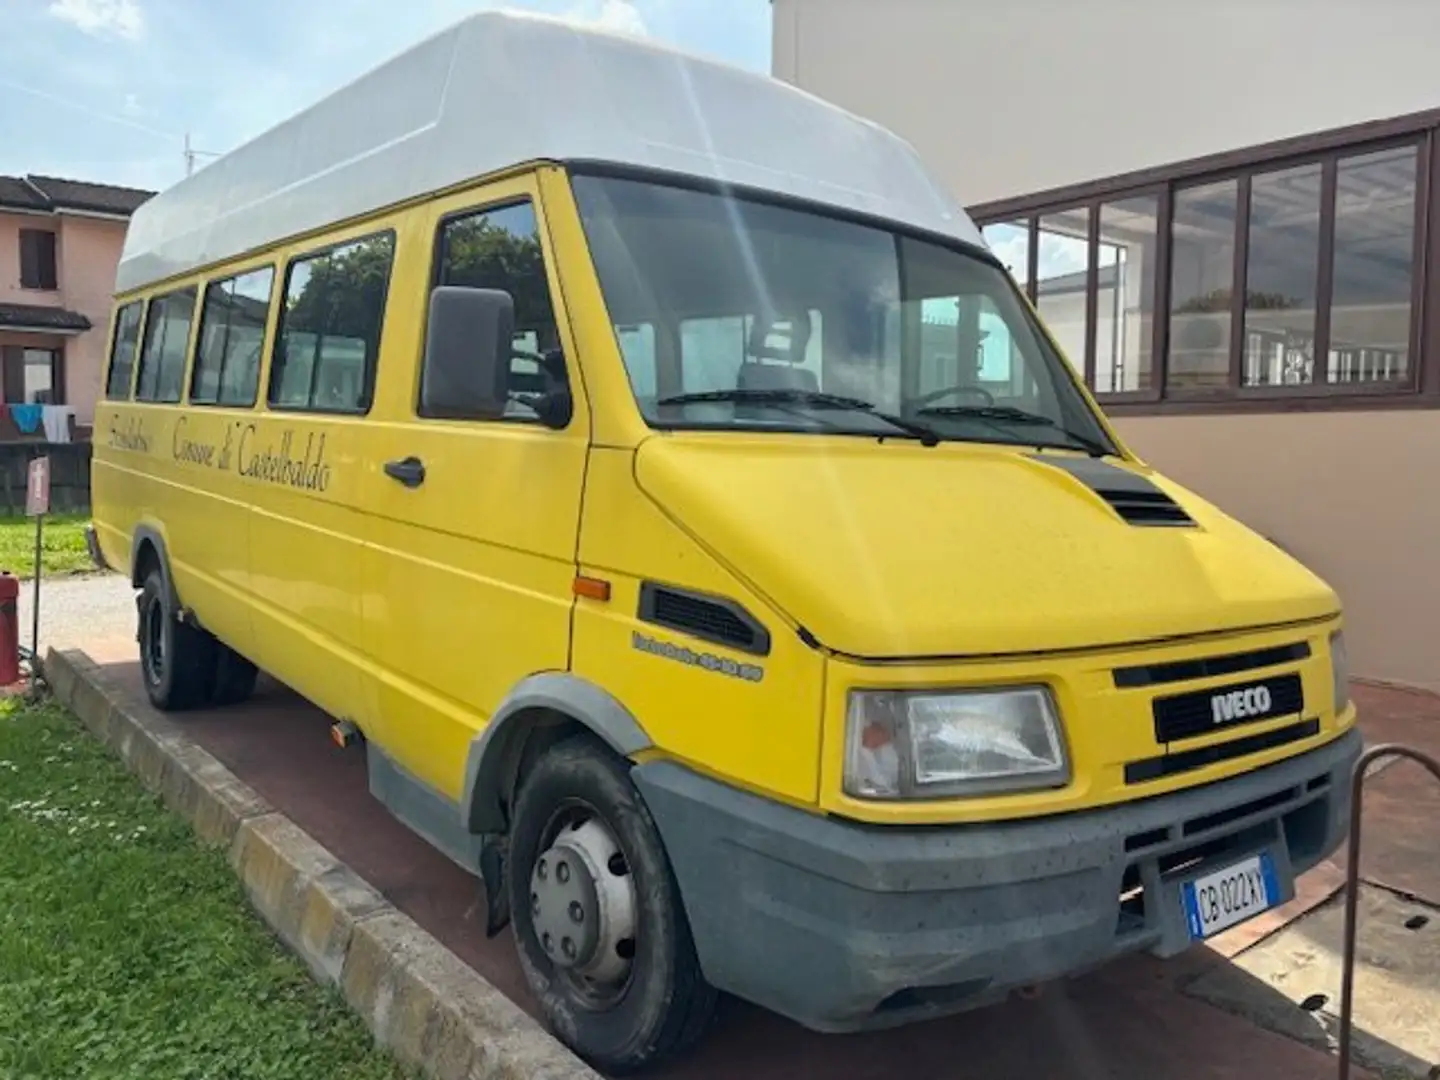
[842, 926]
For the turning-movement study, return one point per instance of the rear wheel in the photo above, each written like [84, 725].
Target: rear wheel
[596, 914]
[177, 660]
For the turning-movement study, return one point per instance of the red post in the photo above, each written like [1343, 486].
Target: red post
[9, 629]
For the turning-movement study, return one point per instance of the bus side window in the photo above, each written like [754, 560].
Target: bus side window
[500, 248]
[232, 333]
[123, 350]
[329, 337]
[162, 356]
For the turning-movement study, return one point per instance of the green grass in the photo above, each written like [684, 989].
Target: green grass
[62, 545]
[127, 950]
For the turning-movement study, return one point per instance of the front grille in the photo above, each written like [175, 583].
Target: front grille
[1155, 768]
[1199, 712]
[1209, 667]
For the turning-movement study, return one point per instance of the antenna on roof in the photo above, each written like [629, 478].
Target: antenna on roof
[191, 154]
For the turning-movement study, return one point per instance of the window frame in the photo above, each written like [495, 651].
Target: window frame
[1421, 385]
[270, 318]
[193, 288]
[372, 366]
[40, 263]
[502, 202]
[129, 390]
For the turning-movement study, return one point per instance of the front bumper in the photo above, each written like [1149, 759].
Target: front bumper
[842, 926]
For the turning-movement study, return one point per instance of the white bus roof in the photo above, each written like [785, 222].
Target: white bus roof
[499, 89]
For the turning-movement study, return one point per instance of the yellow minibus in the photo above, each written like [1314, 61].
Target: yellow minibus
[712, 550]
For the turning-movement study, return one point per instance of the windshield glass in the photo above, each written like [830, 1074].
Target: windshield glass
[737, 313]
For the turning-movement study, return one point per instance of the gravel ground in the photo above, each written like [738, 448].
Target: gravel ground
[76, 611]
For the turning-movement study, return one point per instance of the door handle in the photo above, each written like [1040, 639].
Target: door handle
[410, 471]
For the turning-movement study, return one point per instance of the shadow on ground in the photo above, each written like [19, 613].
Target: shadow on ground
[1133, 1020]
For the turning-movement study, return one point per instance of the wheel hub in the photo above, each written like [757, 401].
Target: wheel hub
[582, 902]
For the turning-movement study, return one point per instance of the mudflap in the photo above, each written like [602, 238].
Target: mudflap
[497, 894]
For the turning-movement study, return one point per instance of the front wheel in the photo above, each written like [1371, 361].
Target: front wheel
[596, 914]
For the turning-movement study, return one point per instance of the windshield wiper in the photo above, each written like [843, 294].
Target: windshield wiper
[813, 399]
[1017, 416]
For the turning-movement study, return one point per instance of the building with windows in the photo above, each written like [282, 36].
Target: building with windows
[1227, 216]
[60, 243]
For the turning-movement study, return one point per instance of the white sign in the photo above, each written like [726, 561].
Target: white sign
[37, 488]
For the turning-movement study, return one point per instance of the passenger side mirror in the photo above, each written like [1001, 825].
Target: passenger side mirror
[467, 353]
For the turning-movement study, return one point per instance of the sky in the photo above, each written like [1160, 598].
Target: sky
[106, 90]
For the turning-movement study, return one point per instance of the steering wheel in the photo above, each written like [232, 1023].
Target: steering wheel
[980, 392]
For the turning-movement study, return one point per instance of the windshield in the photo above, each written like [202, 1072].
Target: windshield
[737, 313]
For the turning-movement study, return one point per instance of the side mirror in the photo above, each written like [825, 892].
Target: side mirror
[468, 339]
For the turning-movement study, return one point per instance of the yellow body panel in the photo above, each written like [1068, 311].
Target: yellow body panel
[415, 612]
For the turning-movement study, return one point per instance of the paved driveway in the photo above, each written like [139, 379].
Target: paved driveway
[1131, 1021]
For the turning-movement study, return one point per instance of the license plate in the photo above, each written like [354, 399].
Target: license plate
[1225, 897]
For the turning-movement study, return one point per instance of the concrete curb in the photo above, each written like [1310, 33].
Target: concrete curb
[419, 999]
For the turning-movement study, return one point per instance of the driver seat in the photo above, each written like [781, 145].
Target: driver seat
[785, 373]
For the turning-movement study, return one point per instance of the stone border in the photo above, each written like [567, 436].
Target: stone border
[418, 998]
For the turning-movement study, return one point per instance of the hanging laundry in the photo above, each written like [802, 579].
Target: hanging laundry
[57, 423]
[28, 418]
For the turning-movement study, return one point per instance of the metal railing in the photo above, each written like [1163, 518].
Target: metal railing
[1352, 881]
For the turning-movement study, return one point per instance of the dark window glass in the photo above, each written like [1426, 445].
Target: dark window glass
[329, 336]
[1125, 296]
[122, 352]
[232, 333]
[786, 299]
[162, 358]
[1202, 275]
[1060, 273]
[500, 249]
[1374, 267]
[37, 260]
[1281, 271]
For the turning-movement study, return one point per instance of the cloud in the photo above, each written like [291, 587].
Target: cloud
[618, 15]
[123, 18]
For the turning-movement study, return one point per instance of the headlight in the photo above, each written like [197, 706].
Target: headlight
[928, 744]
[1340, 670]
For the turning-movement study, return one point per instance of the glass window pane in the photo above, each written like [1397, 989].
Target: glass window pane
[500, 249]
[329, 337]
[167, 335]
[1010, 240]
[637, 347]
[245, 337]
[1281, 267]
[122, 357]
[1060, 280]
[1125, 300]
[39, 376]
[1202, 275]
[1374, 261]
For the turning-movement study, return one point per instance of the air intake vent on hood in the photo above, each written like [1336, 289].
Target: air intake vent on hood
[1146, 507]
[709, 618]
[1133, 497]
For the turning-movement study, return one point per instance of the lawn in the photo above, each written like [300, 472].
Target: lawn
[63, 545]
[127, 950]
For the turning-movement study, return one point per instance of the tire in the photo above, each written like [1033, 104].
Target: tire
[664, 1004]
[234, 677]
[177, 661]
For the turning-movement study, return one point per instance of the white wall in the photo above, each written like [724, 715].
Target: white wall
[1011, 97]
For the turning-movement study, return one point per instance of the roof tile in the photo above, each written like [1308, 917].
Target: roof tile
[33, 316]
[49, 193]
